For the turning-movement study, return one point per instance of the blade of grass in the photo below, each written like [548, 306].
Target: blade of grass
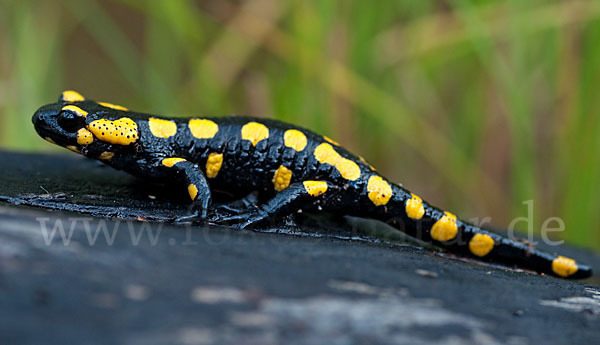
[115, 44]
[514, 94]
[162, 61]
[582, 149]
[35, 54]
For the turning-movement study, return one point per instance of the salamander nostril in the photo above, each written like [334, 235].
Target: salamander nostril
[38, 118]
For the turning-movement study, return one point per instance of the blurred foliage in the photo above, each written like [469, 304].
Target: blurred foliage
[476, 105]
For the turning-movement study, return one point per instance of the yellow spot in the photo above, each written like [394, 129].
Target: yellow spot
[315, 188]
[331, 140]
[75, 109]
[84, 137]
[71, 96]
[202, 128]
[48, 139]
[73, 148]
[481, 244]
[564, 266]
[379, 190]
[123, 131]
[106, 155]
[169, 162]
[162, 128]
[295, 139]
[112, 106]
[414, 207]
[213, 164]
[254, 132]
[445, 228]
[193, 191]
[281, 178]
[349, 170]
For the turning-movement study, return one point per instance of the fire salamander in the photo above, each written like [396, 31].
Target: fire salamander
[292, 169]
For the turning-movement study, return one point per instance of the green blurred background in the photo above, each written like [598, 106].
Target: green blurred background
[477, 106]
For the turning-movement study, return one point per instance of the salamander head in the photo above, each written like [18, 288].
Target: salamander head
[96, 129]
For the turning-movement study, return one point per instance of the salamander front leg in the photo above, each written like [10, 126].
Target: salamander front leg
[188, 174]
[307, 195]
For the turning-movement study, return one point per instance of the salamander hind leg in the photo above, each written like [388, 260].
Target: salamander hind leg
[219, 211]
[239, 206]
[306, 195]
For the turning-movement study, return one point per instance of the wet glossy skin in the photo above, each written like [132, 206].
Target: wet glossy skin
[291, 168]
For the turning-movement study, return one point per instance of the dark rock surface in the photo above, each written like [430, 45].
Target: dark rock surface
[69, 277]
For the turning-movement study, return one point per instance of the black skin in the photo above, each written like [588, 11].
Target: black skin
[247, 169]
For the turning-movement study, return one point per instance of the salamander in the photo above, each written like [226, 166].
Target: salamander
[292, 169]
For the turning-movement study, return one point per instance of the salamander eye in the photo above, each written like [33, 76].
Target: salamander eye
[70, 121]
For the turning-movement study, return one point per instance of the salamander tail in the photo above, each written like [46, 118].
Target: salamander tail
[490, 246]
[417, 218]
[524, 255]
